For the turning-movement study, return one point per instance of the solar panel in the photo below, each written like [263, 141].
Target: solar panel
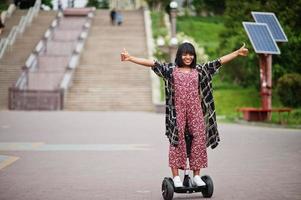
[271, 20]
[261, 38]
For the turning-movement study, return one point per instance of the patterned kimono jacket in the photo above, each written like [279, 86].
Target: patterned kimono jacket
[205, 71]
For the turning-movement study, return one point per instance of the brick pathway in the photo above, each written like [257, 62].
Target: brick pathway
[123, 155]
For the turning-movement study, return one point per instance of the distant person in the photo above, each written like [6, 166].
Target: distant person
[60, 6]
[119, 18]
[113, 16]
[189, 106]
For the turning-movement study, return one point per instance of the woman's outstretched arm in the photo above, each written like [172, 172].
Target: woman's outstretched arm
[240, 52]
[125, 56]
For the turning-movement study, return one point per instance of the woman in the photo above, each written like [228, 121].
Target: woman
[189, 106]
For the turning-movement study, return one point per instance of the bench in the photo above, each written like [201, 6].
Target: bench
[260, 114]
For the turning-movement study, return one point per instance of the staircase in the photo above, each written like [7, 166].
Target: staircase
[102, 82]
[15, 58]
[12, 21]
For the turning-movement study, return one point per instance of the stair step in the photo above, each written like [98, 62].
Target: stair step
[102, 81]
[15, 57]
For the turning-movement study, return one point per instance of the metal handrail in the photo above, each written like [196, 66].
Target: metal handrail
[3, 16]
[1, 43]
[56, 96]
[13, 35]
[10, 10]
[22, 80]
[73, 63]
[21, 24]
[20, 28]
[67, 79]
[31, 62]
[4, 43]
[29, 16]
[40, 47]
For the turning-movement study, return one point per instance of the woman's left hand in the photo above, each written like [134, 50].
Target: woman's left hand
[243, 51]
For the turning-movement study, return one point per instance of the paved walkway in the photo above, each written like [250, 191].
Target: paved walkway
[123, 155]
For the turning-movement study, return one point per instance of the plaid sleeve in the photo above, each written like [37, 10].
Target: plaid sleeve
[212, 66]
[160, 69]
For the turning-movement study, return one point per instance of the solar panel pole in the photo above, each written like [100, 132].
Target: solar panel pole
[266, 82]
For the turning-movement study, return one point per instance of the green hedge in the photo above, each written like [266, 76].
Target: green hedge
[3, 6]
[289, 89]
[48, 3]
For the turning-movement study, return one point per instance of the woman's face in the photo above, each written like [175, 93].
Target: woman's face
[187, 59]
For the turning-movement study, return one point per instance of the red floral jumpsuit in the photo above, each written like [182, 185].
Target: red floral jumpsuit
[189, 110]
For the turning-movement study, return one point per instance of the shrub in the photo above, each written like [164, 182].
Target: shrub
[47, 3]
[289, 89]
[93, 3]
[3, 6]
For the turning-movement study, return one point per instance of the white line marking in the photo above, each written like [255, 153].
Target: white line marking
[72, 147]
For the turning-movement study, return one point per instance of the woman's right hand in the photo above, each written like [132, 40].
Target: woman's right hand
[125, 56]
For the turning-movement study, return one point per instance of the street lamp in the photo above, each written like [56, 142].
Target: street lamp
[173, 5]
[173, 16]
[160, 41]
[173, 41]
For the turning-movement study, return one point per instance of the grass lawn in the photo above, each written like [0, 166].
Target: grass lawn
[292, 120]
[228, 100]
[205, 30]
[158, 26]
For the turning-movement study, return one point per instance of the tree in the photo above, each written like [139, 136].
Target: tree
[206, 6]
[93, 3]
[289, 15]
[199, 6]
[47, 3]
[157, 4]
[289, 90]
[3, 6]
[215, 6]
[104, 4]
[245, 71]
